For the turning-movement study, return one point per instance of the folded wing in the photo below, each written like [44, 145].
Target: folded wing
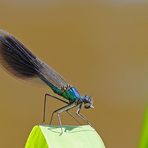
[20, 62]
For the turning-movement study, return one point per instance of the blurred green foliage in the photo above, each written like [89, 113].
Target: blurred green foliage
[144, 134]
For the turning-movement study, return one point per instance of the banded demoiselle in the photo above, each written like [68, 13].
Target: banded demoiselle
[20, 62]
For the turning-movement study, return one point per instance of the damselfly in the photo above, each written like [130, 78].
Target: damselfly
[19, 61]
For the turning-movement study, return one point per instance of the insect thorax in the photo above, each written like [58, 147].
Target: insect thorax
[71, 94]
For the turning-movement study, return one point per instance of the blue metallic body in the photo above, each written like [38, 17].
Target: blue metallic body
[70, 94]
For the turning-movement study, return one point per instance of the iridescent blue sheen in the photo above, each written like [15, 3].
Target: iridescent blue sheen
[71, 94]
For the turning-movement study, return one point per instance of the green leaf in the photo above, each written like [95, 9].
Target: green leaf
[44, 136]
[36, 139]
[144, 135]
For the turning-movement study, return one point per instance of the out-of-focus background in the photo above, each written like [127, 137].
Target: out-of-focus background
[100, 47]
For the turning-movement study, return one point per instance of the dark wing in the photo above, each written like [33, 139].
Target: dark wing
[19, 61]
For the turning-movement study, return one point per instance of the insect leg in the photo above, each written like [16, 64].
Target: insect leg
[73, 117]
[64, 108]
[45, 98]
[80, 115]
[60, 110]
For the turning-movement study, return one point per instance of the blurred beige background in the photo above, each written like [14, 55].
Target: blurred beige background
[100, 47]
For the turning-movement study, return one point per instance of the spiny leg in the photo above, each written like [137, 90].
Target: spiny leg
[60, 110]
[67, 112]
[82, 116]
[59, 118]
[45, 98]
[73, 117]
[53, 115]
[66, 107]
